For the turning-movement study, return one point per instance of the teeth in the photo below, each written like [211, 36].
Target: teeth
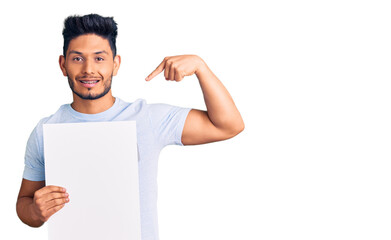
[89, 82]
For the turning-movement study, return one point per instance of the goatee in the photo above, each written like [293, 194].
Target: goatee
[90, 95]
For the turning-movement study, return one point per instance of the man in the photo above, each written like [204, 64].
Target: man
[89, 61]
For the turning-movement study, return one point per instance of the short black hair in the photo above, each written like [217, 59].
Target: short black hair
[75, 26]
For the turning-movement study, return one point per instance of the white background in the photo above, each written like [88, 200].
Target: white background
[311, 79]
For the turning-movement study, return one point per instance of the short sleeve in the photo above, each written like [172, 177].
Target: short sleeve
[34, 169]
[168, 122]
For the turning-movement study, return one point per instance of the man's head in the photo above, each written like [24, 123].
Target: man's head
[90, 60]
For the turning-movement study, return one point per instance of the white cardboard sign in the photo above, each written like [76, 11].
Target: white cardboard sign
[97, 163]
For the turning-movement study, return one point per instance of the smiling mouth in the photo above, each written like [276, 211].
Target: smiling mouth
[89, 82]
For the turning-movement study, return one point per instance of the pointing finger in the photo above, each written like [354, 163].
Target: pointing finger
[158, 70]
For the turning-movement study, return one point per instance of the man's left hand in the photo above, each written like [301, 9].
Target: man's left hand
[177, 67]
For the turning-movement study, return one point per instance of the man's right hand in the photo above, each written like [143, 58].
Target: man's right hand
[47, 201]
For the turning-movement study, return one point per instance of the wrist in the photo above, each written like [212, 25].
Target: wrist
[37, 222]
[202, 68]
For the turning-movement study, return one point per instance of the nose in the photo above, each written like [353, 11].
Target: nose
[88, 67]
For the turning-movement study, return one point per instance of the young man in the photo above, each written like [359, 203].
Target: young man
[89, 61]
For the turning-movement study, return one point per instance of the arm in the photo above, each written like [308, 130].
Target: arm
[222, 119]
[37, 203]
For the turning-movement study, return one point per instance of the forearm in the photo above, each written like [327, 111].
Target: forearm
[25, 212]
[221, 108]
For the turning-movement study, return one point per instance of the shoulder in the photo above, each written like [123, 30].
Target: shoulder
[141, 105]
[165, 114]
[53, 118]
[164, 108]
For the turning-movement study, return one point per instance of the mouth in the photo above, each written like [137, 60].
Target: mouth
[89, 83]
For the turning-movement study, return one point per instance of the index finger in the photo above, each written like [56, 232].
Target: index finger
[49, 189]
[158, 70]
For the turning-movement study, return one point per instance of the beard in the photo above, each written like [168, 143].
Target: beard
[90, 95]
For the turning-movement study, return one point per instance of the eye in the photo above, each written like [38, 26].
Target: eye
[77, 59]
[99, 59]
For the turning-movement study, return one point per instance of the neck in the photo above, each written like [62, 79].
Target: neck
[93, 106]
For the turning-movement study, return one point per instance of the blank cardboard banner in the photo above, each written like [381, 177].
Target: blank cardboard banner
[97, 164]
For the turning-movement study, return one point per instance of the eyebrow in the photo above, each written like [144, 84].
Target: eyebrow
[80, 53]
[74, 52]
[100, 52]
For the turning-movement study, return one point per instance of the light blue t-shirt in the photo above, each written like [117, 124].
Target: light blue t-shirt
[158, 125]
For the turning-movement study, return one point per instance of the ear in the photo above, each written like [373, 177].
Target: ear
[117, 62]
[61, 61]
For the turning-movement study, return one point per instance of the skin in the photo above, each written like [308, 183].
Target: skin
[89, 57]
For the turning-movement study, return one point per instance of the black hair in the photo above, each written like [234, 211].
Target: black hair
[75, 26]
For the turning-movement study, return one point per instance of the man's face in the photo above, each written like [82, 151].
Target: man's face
[89, 66]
